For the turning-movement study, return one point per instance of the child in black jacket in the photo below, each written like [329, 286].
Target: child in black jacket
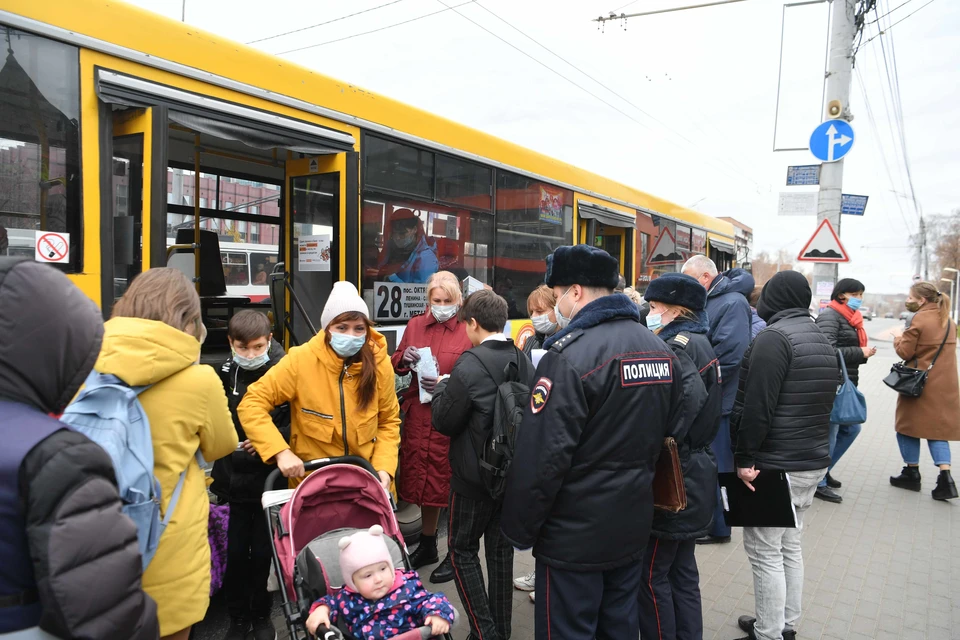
[239, 478]
[463, 408]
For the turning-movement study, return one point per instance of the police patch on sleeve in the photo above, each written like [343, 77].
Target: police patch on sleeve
[635, 372]
[540, 394]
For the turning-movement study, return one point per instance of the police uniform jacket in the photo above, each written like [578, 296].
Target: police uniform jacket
[688, 340]
[605, 395]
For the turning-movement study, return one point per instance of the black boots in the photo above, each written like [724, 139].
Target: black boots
[909, 479]
[426, 552]
[946, 489]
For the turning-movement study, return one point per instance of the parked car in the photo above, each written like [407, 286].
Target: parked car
[904, 315]
[889, 315]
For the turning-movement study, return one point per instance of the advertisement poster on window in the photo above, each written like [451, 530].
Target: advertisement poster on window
[699, 241]
[314, 253]
[551, 205]
[398, 301]
[683, 238]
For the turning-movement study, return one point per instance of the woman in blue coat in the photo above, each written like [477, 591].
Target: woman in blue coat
[670, 594]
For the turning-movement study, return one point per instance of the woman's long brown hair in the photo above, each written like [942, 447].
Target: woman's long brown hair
[927, 291]
[368, 364]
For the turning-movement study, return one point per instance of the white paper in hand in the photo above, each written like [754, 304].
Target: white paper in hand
[426, 367]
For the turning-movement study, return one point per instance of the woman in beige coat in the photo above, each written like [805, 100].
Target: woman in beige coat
[154, 339]
[935, 415]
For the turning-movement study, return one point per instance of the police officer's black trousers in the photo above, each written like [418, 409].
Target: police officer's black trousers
[248, 562]
[670, 592]
[575, 605]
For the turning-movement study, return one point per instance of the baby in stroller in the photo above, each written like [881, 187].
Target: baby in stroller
[378, 601]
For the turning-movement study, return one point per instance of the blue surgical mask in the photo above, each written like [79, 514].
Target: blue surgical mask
[654, 321]
[562, 320]
[854, 303]
[345, 345]
[251, 364]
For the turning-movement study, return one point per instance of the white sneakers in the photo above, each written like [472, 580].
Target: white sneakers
[527, 582]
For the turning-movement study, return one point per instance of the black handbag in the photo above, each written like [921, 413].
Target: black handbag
[908, 381]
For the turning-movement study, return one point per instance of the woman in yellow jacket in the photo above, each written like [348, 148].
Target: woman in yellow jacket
[341, 391]
[153, 338]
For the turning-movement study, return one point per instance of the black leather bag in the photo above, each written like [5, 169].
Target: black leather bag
[908, 381]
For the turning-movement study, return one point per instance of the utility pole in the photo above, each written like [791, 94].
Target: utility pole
[837, 93]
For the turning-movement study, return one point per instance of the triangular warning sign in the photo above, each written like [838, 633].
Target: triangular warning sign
[665, 249]
[824, 246]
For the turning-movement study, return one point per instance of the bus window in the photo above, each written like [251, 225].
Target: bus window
[261, 266]
[235, 269]
[39, 137]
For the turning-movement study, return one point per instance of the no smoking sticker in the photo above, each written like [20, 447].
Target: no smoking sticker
[52, 247]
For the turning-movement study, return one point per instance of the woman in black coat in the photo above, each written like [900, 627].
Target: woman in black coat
[842, 323]
[670, 596]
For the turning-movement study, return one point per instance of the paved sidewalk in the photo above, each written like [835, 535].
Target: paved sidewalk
[879, 566]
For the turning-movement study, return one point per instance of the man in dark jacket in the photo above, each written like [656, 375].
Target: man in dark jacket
[781, 422]
[728, 312]
[580, 487]
[842, 323]
[463, 409]
[238, 480]
[69, 559]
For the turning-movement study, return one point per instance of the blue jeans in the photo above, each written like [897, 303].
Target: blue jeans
[910, 450]
[723, 450]
[841, 437]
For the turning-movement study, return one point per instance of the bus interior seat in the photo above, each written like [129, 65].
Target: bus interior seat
[212, 280]
[213, 287]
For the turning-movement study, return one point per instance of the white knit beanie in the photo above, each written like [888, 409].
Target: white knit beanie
[343, 298]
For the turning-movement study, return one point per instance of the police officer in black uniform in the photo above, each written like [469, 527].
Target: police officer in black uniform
[670, 606]
[579, 492]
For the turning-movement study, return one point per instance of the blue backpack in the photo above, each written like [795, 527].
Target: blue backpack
[108, 412]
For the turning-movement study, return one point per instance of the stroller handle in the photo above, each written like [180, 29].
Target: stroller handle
[320, 463]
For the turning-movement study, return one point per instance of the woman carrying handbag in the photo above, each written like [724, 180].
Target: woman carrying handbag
[928, 345]
[842, 323]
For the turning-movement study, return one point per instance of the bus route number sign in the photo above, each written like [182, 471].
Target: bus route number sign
[398, 301]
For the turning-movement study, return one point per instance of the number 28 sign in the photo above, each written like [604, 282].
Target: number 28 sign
[398, 301]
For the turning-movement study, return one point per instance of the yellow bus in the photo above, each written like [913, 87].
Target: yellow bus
[129, 141]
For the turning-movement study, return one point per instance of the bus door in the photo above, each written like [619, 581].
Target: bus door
[127, 230]
[316, 250]
[611, 232]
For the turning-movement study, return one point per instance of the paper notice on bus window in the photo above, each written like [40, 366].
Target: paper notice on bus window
[314, 253]
[394, 301]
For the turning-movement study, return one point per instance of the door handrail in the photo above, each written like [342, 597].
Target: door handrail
[280, 274]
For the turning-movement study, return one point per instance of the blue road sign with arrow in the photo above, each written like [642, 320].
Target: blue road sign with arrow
[832, 140]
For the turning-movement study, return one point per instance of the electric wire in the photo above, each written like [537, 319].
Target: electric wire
[876, 136]
[893, 82]
[366, 33]
[320, 24]
[662, 124]
[882, 31]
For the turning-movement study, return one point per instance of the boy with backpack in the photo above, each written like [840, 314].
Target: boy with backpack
[479, 405]
[238, 480]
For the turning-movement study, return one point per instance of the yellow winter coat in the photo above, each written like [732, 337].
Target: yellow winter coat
[188, 410]
[326, 420]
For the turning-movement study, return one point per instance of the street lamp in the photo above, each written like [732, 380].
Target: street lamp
[955, 308]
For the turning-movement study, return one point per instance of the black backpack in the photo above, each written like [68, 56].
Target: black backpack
[513, 396]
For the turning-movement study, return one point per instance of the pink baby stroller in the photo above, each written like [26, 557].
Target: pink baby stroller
[341, 496]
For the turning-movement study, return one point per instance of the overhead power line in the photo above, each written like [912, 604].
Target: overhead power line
[320, 24]
[366, 33]
[579, 86]
[882, 31]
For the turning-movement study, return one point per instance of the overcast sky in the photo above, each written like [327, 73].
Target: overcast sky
[697, 91]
